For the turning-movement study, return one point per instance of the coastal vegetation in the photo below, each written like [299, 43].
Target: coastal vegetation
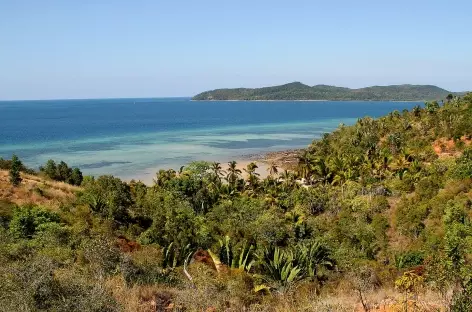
[373, 217]
[299, 91]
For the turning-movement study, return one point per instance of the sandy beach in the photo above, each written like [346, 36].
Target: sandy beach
[286, 159]
[147, 178]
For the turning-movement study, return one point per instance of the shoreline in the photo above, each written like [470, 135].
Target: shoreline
[283, 159]
[288, 100]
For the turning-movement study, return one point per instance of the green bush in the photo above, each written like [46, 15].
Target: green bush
[410, 216]
[6, 212]
[101, 254]
[5, 164]
[427, 188]
[135, 274]
[462, 300]
[62, 172]
[109, 197]
[463, 167]
[28, 220]
[16, 165]
[174, 221]
[409, 259]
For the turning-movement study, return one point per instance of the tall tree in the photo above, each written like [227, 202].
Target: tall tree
[305, 165]
[233, 173]
[252, 175]
[272, 169]
[76, 177]
[217, 171]
[50, 169]
[63, 171]
[321, 170]
[15, 178]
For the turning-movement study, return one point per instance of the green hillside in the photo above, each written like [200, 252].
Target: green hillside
[300, 91]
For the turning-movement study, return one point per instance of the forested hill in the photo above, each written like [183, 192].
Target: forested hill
[300, 91]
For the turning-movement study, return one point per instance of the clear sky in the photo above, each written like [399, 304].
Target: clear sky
[125, 48]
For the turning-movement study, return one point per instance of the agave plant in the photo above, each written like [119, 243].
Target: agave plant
[244, 259]
[312, 256]
[278, 266]
[173, 257]
[226, 251]
[96, 204]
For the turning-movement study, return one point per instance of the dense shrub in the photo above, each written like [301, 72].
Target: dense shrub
[28, 220]
[62, 172]
[5, 164]
[409, 259]
[109, 197]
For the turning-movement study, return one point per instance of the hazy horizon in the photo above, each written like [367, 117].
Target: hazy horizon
[119, 49]
[190, 96]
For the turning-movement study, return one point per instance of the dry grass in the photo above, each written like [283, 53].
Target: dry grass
[36, 190]
[137, 298]
[381, 300]
[231, 292]
[147, 298]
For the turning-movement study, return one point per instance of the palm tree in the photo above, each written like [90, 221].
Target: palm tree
[253, 176]
[233, 173]
[304, 165]
[163, 176]
[287, 178]
[272, 169]
[322, 171]
[225, 191]
[401, 165]
[342, 176]
[217, 171]
[337, 163]
[269, 183]
[251, 168]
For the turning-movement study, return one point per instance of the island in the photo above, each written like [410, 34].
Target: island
[297, 91]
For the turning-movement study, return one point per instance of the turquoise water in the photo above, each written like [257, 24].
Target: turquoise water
[133, 138]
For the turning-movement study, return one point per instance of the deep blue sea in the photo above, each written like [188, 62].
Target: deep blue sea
[135, 137]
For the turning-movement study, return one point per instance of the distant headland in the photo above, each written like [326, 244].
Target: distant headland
[297, 91]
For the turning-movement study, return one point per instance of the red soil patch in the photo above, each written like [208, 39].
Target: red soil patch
[127, 245]
[204, 257]
[444, 147]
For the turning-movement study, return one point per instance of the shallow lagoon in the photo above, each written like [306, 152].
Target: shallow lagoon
[132, 138]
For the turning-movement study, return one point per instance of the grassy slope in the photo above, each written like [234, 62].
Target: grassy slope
[36, 190]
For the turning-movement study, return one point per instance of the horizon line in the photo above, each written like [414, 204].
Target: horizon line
[220, 88]
[94, 98]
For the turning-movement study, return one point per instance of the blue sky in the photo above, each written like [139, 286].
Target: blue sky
[114, 48]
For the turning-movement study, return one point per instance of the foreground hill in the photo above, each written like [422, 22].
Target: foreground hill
[300, 91]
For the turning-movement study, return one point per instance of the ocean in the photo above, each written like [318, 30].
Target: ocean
[134, 138]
